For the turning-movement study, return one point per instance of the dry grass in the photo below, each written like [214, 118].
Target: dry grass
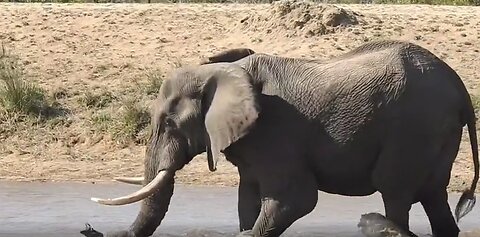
[429, 2]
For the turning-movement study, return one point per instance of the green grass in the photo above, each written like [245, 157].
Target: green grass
[17, 95]
[102, 121]
[96, 100]
[131, 122]
[125, 118]
[125, 124]
[23, 104]
[154, 82]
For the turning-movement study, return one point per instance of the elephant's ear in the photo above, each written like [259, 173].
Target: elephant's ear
[230, 107]
[230, 55]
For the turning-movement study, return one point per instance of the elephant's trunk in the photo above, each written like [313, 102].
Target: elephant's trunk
[153, 210]
[163, 159]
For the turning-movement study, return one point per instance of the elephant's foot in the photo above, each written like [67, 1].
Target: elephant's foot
[247, 233]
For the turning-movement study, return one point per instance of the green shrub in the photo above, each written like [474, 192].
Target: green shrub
[155, 79]
[132, 120]
[16, 94]
[102, 121]
[97, 100]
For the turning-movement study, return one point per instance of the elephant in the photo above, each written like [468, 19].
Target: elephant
[385, 117]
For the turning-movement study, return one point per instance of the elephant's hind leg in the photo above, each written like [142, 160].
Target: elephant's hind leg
[434, 196]
[397, 210]
[439, 214]
[403, 168]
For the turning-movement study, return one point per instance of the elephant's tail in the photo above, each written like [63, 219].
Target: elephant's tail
[467, 200]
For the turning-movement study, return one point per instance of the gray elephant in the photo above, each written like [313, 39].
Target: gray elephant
[386, 116]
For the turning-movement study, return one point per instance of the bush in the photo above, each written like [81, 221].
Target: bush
[16, 94]
[132, 120]
[102, 121]
[155, 79]
[97, 100]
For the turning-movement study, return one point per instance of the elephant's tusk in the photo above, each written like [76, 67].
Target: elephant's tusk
[144, 192]
[130, 180]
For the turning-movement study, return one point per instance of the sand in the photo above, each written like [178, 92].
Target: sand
[71, 49]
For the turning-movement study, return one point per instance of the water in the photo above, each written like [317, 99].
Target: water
[62, 209]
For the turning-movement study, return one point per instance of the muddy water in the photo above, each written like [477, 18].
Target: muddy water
[61, 209]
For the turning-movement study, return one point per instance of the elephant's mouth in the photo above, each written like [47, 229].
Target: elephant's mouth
[139, 195]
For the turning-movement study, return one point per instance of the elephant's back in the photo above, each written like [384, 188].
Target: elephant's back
[379, 86]
[344, 95]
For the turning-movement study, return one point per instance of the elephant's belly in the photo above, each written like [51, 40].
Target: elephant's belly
[349, 186]
[346, 173]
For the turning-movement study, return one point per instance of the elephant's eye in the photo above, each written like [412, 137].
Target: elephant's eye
[169, 122]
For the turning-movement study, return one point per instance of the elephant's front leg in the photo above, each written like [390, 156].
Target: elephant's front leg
[249, 202]
[284, 200]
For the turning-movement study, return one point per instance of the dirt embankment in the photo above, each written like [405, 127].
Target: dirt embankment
[300, 19]
[107, 50]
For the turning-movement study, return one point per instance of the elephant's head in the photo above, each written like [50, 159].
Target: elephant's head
[198, 108]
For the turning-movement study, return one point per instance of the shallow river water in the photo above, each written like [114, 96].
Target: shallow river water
[62, 209]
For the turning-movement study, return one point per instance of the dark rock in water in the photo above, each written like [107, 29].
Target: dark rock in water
[376, 225]
[90, 232]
